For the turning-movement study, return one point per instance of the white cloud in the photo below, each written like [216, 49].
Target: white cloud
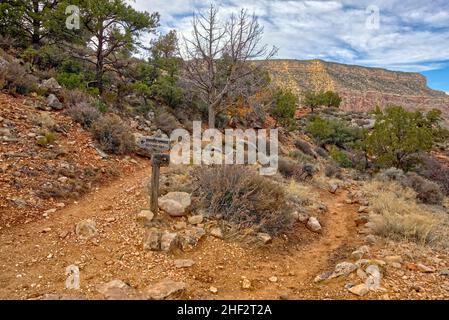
[412, 36]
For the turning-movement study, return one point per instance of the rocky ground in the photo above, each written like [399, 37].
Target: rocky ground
[105, 235]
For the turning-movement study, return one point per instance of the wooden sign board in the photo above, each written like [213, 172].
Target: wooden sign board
[152, 145]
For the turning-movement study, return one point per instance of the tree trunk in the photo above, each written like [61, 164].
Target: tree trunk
[211, 117]
[36, 37]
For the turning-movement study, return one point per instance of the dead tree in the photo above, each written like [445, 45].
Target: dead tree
[218, 56]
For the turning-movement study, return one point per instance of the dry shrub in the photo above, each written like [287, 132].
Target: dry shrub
[167, 122]
[291, 169]
[437, 172]
[322, 152]
[242, 197]
[332, 170]
[45, 121]
[84, 114]
[16, 79]
[427, 191]
[396, 215]
[73, 97]
[304, 147]
[113, 135]
[301, 194]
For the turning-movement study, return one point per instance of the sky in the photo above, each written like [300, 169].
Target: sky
[403, 35]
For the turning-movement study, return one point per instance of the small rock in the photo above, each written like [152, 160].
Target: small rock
[343, 269]
[246, 284]
[144, 217]
[359, 290]
[116, 290]
[303, 217]
[371, 239]
[361, 274]
[333, 188]
[183, 263]
[165, 289]
[444, 272]
[425, 269]
[360, 221]
[213, 290]
[265, 238]
[374, 277]
[197, 219]
[152, 240]
[181, 225]
[48, 212]
[169, 241]
[273, 279]
[322, 276]
[46, 230]
[86, 229]
[216, 232]
[63, 179]
[357, 255]
[363, 209]
[314, 225]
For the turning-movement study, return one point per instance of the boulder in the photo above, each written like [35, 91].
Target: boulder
[164, 289]
[54, 103]
[50, 85]
[313, 224]
[175, 204]
[86, 229]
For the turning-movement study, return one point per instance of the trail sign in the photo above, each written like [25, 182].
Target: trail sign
[152, 145]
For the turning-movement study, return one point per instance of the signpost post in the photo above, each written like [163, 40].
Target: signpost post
[156, 146]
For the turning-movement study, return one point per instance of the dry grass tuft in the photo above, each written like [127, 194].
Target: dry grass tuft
[398, 216]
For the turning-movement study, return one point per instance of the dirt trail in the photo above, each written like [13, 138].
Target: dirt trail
[34, 256]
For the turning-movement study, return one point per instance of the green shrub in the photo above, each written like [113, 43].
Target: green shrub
[244, 198]
[340, 157]
[48, 138]
[113, 135]
[71, 80]
[399, 137]
[336, 132]
[284, 107]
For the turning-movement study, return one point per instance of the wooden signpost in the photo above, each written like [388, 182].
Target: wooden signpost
[156, 146]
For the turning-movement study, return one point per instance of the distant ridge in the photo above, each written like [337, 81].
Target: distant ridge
[362, 88]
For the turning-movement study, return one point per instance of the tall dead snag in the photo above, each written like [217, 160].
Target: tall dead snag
[217, 56]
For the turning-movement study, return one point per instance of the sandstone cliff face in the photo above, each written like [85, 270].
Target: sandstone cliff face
[362, 88]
